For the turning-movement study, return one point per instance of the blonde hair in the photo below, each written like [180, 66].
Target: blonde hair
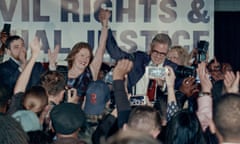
[182, 54]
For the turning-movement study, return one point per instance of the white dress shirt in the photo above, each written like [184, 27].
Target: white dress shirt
[142, 84]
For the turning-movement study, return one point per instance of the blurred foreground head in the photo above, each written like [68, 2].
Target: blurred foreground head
[131, 137]
[226, 115]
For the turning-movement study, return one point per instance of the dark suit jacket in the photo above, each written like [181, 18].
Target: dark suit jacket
[9, 74]
[140, 61]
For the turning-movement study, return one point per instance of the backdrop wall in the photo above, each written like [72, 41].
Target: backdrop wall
[134, 22]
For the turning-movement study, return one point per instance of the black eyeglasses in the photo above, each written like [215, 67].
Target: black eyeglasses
[155, 52]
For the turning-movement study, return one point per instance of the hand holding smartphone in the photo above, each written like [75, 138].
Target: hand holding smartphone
[154, 72]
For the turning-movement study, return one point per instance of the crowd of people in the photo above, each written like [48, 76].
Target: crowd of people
[197, 101]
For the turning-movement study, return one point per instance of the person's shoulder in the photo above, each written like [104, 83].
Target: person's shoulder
[142, 55]
[7, 62]
[8, 65]
[2, 65]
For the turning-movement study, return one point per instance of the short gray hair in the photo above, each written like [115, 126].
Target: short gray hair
[161, 38]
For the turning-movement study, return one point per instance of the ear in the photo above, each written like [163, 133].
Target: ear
[60, 96]
[62, 93]
[7, 51]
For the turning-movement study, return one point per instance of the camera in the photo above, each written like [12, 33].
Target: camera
[67, 90]
[154, 72]
[202, 48]
[6, 28]
[137, 100]
[185, 71]
[71, 92]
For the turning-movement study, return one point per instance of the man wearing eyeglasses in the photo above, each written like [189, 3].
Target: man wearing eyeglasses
[138, 80]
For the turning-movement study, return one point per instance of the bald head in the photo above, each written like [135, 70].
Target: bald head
[226, 116]
[144, 118]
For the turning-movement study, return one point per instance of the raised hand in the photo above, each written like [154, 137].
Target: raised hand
[104, 16]
[170, 77]
[52, 56]
[231, 82]
[35, 47]
[205, 81]
[121, 69]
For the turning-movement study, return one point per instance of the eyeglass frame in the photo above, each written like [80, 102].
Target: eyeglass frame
[155, 52]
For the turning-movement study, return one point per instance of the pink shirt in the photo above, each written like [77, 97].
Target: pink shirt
[204, 112]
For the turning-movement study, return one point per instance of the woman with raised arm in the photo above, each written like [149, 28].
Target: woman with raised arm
[83, 67]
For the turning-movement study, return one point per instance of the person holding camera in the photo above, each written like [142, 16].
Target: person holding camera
[188, 87]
